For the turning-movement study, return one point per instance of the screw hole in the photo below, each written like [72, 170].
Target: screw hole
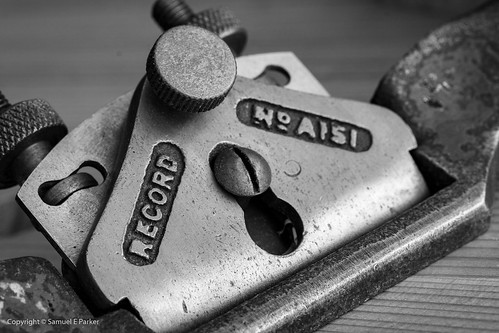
[56, 192]
[95, 170]
[274, 75]
[272, 223]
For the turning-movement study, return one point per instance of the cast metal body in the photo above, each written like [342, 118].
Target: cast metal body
[240, 269]
[446, 90]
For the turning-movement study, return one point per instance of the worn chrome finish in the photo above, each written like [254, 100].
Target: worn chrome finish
[461, 176]
[447, 90]
[200, 260]
[68, 225]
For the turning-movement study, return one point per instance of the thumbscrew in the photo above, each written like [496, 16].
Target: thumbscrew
[28, 131]
[221, 21]
[241, 171]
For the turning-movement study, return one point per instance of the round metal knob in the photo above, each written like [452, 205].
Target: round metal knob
[28, 130]
[191, 69]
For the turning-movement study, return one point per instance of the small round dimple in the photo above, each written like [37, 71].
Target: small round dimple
[242, 171]
[191, 69]
[292, 168]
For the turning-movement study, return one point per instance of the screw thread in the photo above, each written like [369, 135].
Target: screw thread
[28, 159]
[4, 103]
[171, 13]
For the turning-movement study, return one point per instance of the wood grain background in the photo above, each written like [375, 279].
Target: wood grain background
[81, 55]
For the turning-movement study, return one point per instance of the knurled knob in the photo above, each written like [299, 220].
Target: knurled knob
[23, 125]
[221, 21]
[225, 24]
[171, 13]
[191, 69]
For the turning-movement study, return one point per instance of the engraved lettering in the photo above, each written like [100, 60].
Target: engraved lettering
[160, 179]
[284, 119]
[160, 198]
[262, 114]
[338, 135]
[353, 138]
[147, 230]
[156, 217]
[307, 127]
[168, 165]
[323, 130]
[152, 210]
[139, 248]
[303, 125]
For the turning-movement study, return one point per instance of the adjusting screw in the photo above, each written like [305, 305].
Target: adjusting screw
[241, 171]
[28, 131]
[191, 69]
[221, 21]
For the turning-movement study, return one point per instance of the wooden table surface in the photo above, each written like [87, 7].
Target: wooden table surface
[81, 55]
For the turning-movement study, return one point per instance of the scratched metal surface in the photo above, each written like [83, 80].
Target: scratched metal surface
[30, 281]
[81, 56]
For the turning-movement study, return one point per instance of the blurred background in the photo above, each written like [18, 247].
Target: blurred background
[80, 55]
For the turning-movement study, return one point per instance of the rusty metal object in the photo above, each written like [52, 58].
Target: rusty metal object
[191, 69]
[67, 226]
[34, 297]
[459, 174]
[121, 321]
[447, 90]
[241, 171]
[32, 289]
[155, 246]
[221, 21]
[28, 130]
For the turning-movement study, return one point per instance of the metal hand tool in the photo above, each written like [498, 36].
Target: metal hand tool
[173, 230]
